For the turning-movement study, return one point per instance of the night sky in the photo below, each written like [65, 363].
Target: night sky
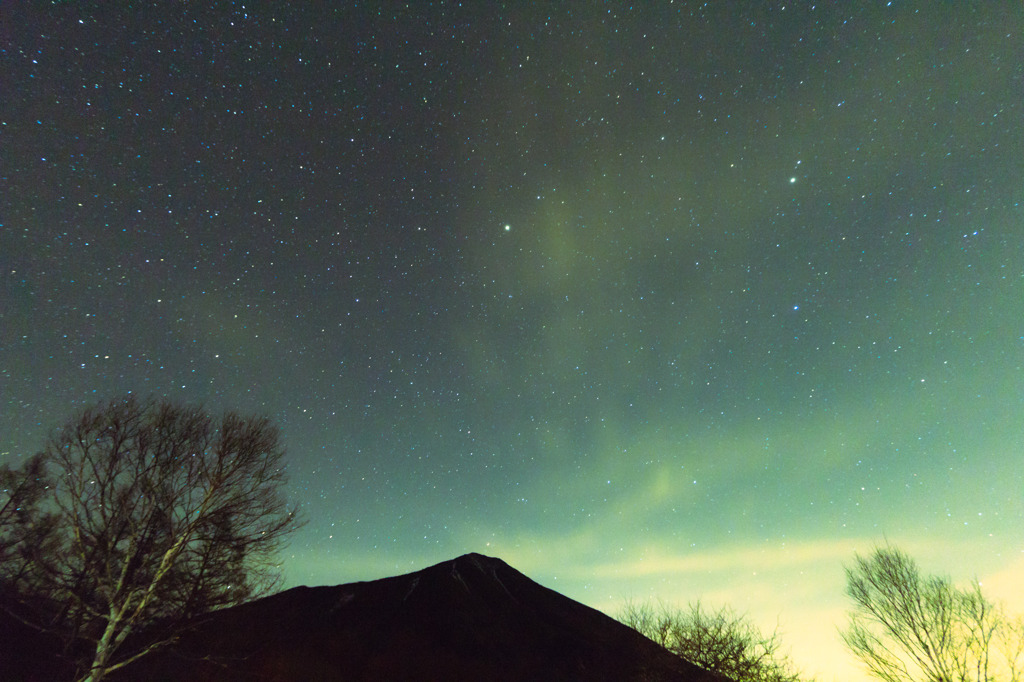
[678, 300]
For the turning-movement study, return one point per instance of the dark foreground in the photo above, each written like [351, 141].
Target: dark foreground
[470, 618]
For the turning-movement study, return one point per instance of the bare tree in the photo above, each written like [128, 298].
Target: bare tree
[153, 513]
[718, 641]
[906, 627]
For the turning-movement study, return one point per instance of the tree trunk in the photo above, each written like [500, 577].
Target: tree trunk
[98, 669]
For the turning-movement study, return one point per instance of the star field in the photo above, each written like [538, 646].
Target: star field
[683, 300]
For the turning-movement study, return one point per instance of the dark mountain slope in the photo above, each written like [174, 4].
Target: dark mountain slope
[470, 618]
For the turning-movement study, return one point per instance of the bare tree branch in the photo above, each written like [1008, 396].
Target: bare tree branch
[719, 641]
[152, 512]
[906, 627]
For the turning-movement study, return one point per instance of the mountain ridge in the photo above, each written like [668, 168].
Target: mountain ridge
[470, 618]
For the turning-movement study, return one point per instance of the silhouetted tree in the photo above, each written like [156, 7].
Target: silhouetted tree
[907, 627]
[137, 516]
[24, 528]
[719, 641]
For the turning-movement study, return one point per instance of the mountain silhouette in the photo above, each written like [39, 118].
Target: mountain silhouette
[470, 618]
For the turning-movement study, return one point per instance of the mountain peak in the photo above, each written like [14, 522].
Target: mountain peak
[473, 617]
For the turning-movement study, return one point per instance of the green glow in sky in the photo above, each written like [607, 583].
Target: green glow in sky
[672, 301]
